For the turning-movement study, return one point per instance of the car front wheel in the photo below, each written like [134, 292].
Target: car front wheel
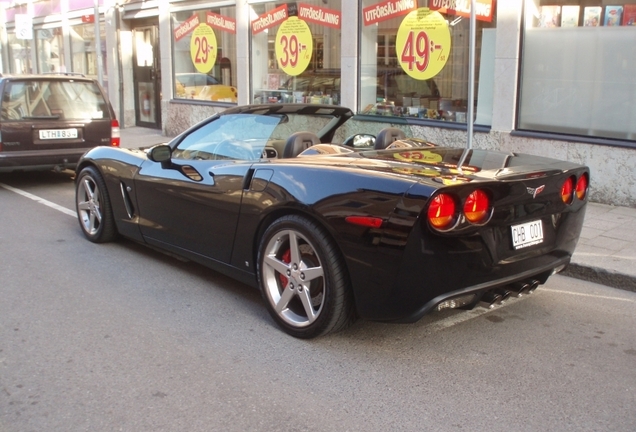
[303, 279]
[93, 207]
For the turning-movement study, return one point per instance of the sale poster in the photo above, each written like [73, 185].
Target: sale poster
[423, 43]
[294, 46]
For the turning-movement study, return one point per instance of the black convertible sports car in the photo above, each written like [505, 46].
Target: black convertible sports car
[384, 228]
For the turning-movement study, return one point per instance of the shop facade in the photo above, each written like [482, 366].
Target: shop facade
[553, 77]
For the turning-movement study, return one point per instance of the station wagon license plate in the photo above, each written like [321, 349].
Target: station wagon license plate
[47, 134]
[527, 234]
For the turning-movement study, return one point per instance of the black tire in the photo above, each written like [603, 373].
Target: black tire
[303, 279]
[92, 203]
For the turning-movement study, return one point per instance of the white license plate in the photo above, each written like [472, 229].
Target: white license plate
[527, 234]
[46, 134]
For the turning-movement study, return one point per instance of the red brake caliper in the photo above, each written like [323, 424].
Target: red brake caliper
[286, 258]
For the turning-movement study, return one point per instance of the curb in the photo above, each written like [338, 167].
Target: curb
[600, 276]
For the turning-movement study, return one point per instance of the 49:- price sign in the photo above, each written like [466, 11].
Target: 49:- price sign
[294, 46]
[203, 48]
[423, 43]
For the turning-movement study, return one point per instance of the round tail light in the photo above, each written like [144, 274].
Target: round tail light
[477, 207]
[581, 187]
[566, 190]
[442, 212]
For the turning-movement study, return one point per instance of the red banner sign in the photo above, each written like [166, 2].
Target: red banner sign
[483, 8]
[386, 10]
[220, 22]
[318, 15]
[186, 27]
[270, 19]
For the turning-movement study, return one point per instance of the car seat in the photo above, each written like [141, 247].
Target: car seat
[298, 142]
[386, 136]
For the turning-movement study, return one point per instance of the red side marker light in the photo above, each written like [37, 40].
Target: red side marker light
[365, 221]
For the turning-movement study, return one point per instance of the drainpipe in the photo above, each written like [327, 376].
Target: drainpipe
[471, 86]
[98, 46]
[120, 67]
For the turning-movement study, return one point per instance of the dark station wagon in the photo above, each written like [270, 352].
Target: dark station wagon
[49, 121]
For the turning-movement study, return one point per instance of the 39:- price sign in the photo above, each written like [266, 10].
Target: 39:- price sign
[294, 46]
[423, 43]
[203, 48]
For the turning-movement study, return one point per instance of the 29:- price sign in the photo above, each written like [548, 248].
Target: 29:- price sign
[423, 43]
[203, 48]
[294, 46]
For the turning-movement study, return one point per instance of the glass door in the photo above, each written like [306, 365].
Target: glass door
[147, 76]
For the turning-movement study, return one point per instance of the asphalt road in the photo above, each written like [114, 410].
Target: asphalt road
[121, 337]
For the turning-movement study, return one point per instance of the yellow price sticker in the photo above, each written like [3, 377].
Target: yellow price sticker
[203, 48]
[423, 43]
[294, 46]
[422, 156]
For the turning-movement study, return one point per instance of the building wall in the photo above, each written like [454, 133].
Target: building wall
[613, 180]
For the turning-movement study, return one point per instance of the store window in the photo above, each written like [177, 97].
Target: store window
[84, 53]
[414, 60]
[296, 51]
[204, 53]
[19, 51]
[50, 50]
[578, 68]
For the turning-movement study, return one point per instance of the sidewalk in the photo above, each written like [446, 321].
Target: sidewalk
[135, 137]
[606, 253]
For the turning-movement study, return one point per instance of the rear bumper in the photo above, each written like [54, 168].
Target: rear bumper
[539, 273]
[39, 160]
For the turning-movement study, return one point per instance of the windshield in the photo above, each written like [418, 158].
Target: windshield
[234, 136]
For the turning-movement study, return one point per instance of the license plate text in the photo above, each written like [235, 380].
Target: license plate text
[527, 234]
[58, 134]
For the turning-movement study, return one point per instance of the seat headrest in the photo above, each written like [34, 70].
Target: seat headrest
[298, 142]
[386, 136]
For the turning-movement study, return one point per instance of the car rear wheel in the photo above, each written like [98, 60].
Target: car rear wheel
[303, 279]
[93, 207]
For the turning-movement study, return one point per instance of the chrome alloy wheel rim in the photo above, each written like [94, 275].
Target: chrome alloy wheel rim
[88, 205]
[294, 278]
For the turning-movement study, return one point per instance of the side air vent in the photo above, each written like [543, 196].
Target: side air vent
[124, 194]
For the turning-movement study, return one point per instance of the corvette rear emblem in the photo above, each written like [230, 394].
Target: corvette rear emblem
[535, 191]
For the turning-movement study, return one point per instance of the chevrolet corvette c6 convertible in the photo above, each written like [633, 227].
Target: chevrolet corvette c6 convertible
[382, 227]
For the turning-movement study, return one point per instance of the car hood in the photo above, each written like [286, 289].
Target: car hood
[440, 164]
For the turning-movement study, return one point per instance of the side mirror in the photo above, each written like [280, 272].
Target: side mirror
[160, 153]
[360, 141]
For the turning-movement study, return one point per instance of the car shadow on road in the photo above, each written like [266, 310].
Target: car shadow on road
[250, 297]
[25, 179]
[247, 300]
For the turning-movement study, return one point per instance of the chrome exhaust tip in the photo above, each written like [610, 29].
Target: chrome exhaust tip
[490, 299]
[518, 288]
[505, 294]
[532, 286]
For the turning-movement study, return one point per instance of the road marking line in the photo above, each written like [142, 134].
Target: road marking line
[40, 200]
[588, 295]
